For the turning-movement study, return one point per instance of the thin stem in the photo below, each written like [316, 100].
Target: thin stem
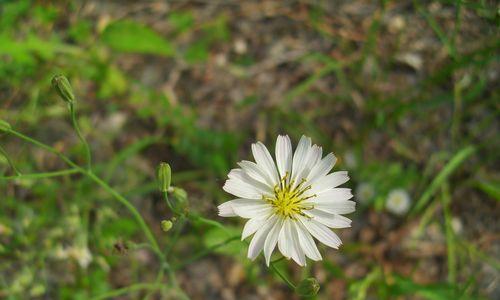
[205, 252]
[74, 121]
[45, 147]
[114, 193]
[9, 161]
[281, 275]
[129, 289]
[169, 204]
[197, 218]
[42, 175]
[178, 230]
[131, 208]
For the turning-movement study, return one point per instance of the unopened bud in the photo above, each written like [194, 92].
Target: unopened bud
[166, 225]
[164, 177]
[179, 194]
[308, 287]
[4, 126]
[63, 88]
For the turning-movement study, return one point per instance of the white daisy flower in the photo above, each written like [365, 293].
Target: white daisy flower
[364, 192]
[288, 204]
[398, 202]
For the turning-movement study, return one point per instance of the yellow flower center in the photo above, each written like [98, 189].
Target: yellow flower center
[287, 201]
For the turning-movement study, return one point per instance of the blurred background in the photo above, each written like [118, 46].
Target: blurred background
[403, 92]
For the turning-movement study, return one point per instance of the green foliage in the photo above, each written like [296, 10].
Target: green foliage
[182, 94]
[218, 236]
[133, 37]
[181, 21]
[405, 286]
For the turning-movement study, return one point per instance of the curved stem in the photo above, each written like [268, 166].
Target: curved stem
[74, 121]
[114, 193]
[281, 275]
[169, 204]
[9, 161]
[45, 147]
[178, 229]
[130, 207]
[42, 175]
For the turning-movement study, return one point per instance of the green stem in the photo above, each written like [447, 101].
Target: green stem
[45, 147]
[42, 175]
[74, 121]
[169, 204]
[197, 218]
[130, 207]
[9, 161]
[114, 193]
[129, 289]
[281, 275]
[178, 230]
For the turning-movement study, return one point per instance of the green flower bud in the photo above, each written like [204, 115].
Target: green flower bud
[166, 225]
[308, 287]
[63, 88]
[180, 194]
[164, 176]
[4, 126]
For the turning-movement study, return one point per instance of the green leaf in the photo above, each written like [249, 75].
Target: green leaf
[218, 236]
[440, 291]
[182, 21]
[491, 188]
[129, 36]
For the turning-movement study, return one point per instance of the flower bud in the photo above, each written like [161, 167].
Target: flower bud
[166, 225]
[308, 287]
[179, 194]
[4, 126]
[164, 177]
[63, 88]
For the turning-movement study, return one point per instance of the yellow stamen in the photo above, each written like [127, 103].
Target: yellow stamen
[288, 203]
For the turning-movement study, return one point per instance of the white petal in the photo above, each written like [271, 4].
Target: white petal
[255, 172]
[265, 161]
[226, 210]
[333, 195]
[284, 243]
[329, 182]
[297, 251]
[322, 168]
[243, 178]
[337, 207]
[252, 226]
[330, 220]
[271, 240]
[299, 157]
[307, 243]
[321, 232]
[312, 158]
[284, 155]
[241, 189]
[259, 238]
[251, 208]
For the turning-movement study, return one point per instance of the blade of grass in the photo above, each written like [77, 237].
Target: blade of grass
[302, 87]
[450, 47]
[448, 169]
[450, 237]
